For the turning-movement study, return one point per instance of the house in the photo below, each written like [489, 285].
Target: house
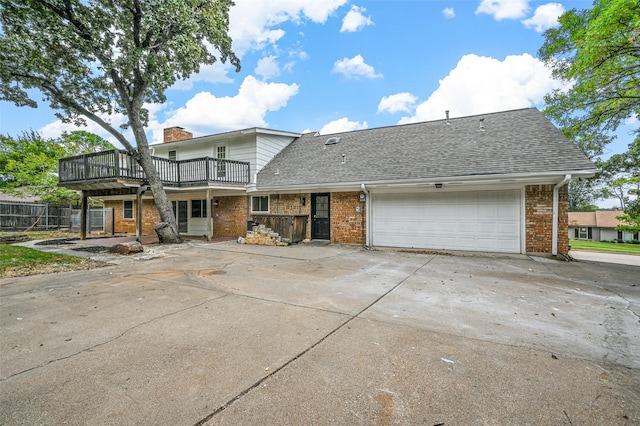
[493, 182]
[598, 226]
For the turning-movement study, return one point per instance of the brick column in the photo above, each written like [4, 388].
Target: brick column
[539, 219]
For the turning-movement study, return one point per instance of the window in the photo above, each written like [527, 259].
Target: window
[173, 155]
[198, 208]
[584, 233]
[127, 209]
[221, 154]
[260, 204]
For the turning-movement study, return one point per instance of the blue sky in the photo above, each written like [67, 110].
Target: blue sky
[340, 65]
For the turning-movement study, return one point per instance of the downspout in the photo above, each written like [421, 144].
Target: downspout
[554, 237]
[367, 217]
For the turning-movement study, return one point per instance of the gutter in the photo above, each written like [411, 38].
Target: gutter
[367, 206]
[554, 237]
[528, 178]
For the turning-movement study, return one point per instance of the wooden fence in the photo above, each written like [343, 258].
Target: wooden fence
[19, 216]
[291, 227]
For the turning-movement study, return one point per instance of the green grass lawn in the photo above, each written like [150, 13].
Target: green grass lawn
[19, 261]
[625, 248]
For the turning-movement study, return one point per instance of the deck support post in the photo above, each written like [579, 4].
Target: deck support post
[83, 215]
[209, 215]
[139, 194]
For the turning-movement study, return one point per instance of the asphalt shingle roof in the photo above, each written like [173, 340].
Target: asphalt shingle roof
[518, 141]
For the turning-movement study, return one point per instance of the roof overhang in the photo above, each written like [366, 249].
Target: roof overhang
[514, 180]
[225, 136]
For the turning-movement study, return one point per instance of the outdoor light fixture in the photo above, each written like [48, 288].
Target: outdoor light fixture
[438, 185]
[303, 201]
[215, 203]
[363, 197]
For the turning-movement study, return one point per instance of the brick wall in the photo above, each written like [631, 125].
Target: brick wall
[150, 217]
[292, 204]
[230, 216]
[539, 219]
[346, 223]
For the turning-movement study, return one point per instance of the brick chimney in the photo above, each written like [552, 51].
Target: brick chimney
[174, 134]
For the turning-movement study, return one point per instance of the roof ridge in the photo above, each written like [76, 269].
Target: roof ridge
[423, 122]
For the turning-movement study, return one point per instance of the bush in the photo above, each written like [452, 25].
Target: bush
[635, 241]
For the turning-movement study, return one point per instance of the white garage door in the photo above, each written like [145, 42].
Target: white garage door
[475, 221]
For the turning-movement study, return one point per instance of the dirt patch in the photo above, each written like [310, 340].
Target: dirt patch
[57, 241]
[91, 249]
[52, 268]
[417, 251]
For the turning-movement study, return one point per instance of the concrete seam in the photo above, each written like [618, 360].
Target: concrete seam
[304, 352]
[113, 339]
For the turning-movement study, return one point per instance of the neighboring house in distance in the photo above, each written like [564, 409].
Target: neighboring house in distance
[12, 198]
[598, 226]
[493, 182]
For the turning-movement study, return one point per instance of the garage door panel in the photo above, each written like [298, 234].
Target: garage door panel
[478, 221]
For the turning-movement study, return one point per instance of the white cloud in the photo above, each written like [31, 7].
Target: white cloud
[214, 73]
[504, 9]
[251, 23]
[354, 68]
[206, 113]
[55, 129]
[268, 67]
[342, 125]
[545, 17]
[400, 102]
[449, 13]
[354, 20]
[481, 84]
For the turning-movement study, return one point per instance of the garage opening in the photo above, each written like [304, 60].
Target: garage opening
[473, 221]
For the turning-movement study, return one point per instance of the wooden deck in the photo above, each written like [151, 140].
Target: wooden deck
[117, 168]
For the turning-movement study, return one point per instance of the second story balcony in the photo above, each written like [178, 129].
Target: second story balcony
[118, 168]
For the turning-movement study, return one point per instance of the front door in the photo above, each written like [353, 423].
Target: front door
[320, 217]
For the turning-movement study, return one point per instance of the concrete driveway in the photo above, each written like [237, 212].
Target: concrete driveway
[233, 334]
[594, 256]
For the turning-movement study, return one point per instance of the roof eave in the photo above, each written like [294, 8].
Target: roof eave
[504, 178]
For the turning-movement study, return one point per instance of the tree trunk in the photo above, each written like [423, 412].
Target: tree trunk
[168, 232]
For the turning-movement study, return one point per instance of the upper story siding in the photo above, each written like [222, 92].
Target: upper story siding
[255, 146]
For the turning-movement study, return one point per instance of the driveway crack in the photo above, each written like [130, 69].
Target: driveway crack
[308, 349]
[113, 339]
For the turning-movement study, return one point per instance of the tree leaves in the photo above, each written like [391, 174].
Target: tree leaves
[598, 51]
[29, 163]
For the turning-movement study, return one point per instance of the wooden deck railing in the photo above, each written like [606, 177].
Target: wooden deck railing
[118, 164]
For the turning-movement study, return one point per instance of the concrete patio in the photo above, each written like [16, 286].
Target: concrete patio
[222, 333]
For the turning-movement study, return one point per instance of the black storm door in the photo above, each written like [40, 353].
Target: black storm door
[320, 217]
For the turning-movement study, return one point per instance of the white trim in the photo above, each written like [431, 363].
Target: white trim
[556, 213]
[133, 209]
[268, 204]
[470, 180]
[523, 220]
[367, 208]
[227, 135]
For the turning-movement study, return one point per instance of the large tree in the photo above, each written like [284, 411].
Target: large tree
[94, 58]
[597, 51]
[619, 175]
[29, 163]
